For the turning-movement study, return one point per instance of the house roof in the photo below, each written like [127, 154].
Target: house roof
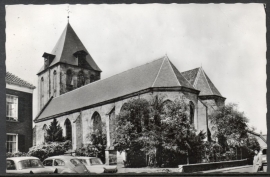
[158, 73]
[199, 80]
[15, 80]
[68, 44]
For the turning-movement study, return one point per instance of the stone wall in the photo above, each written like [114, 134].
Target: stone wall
[82, 122]
[90, 76]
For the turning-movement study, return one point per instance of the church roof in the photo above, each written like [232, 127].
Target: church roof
[160, 73]
[68, 44]
[12, 79]
[199, 80]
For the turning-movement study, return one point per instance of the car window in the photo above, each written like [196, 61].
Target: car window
[48, 162]
[83, 161]
[31, 163]
[10, 165]
[96, 161]
[75, 162]
[264, 151]
[58, 162]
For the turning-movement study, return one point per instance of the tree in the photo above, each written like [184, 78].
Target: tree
[229, 115]
[54, 132]
[130, 128]
[160, 130]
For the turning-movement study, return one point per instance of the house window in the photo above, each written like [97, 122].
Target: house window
[54, 83]
[12, 108]
[12, 143]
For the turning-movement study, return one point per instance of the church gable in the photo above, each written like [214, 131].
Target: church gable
[198, 78]
[169, 76]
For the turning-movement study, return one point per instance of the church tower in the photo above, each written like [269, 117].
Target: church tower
[68, 67]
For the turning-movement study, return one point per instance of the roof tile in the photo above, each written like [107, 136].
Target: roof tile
[12, 79]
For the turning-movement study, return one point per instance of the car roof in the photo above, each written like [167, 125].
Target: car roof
[63, 157]
[17, 159]
[83, 157]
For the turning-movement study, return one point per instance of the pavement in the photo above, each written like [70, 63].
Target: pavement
[239, 169]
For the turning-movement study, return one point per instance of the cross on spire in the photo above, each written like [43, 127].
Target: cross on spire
[68, 11]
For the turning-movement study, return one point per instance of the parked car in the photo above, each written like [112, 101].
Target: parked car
[22, 165]
[263, 155]
[65, 164]
[95, 165]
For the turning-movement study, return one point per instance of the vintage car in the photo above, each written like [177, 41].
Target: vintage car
[22, 165]
[263, 154]
[95, 165]
[65, 164]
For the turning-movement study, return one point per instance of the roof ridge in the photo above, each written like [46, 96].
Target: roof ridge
[170, 64]
[108, 77]
[180, 74]
[207, 81]
[158, 72]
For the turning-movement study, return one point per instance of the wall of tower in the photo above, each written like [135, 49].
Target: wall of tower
[89, 76]
[47, 91]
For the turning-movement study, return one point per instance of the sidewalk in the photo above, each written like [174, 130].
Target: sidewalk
[173, 170]
[225, 169]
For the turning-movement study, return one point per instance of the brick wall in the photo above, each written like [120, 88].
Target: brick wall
[24, 125]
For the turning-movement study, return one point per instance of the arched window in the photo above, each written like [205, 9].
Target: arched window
[41, 93]
[97, 124]
[45, 134]
[68, 129]
[81, 79]
[191, 112]
[92, 78]
[54, 83]
[69, 84]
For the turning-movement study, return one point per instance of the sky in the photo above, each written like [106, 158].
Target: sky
[227, 40]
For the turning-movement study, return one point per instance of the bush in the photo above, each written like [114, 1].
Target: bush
[49, 149]
[16, 154]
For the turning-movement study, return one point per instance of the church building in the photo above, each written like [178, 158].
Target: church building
[71, 90]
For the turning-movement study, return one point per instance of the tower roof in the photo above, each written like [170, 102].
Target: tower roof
[68, 44]
[199, 80]
[160, 73]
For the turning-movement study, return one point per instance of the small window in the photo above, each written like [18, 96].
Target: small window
[48, 163]
[41, 93]
[32, 163]
[11, 144]
[69, 83]
[12, 107]
[96, 161]
[54, 83]
[75, 162]
[58, 162]
[83, 161]
[10, 165]
[81, 79]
